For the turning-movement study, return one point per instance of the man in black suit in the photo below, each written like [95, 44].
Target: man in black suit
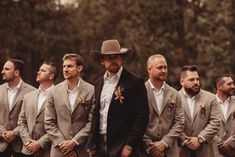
[121, 112]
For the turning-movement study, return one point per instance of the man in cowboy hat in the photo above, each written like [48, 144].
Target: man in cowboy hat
[121, 111]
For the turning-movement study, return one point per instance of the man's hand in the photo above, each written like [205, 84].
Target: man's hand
[33, 146]
[67, 146]
[8, 136]
[72, 154]
[126, 151]
[157, 149]
[192, 143]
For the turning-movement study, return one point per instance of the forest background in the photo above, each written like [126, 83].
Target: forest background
[198, 32]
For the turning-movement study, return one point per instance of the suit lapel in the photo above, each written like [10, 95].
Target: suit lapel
[231, 109]
[64, 94]
[198, 104]
[34, 99]
[18, 94]
[151, 97]
[98, 89]
[81, 90]
[166, 97]
[185, 105]
[5, 98]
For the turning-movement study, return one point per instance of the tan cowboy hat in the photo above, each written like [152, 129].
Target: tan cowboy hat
[110, 47]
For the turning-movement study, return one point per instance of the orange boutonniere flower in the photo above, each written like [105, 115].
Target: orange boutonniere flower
[118, 94]
[83, 102]
[170, 104]
[202, 110]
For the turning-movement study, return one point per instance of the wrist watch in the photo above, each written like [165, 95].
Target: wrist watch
[200, 140]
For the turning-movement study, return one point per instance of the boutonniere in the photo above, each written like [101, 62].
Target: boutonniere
[83, 102]
[118, 94]
[170, 104]
[202, 110]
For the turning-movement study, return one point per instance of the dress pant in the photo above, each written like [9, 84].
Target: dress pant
[9, 152]
[102, 147]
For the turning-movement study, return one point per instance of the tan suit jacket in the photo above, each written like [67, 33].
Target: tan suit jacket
[227, 129]
[168, 125]
[9, 118]
[31, 124]
[62, 123]
[205, 123]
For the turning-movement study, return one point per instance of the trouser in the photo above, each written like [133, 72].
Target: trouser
[9, 152]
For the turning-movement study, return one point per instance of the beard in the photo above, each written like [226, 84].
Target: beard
[113, 68]
[193, 91]
[7, 79]
[229, 92]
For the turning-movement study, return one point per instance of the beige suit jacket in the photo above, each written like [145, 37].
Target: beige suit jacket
[168, 125]
[31, 124]
[227, 129]
[62, 123]
[205, 123]
[9, 118]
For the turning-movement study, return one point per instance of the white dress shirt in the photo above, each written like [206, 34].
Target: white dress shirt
[191, 101]
[158, 95]
[11, 94]
[224, 106]
[105, 98]
[72, 95]
[43, 96]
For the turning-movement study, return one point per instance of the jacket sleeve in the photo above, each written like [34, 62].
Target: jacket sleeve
[82, 135]
[51, 122]
[22, 124]
[209, 132]
[178, 124]
[141, 109]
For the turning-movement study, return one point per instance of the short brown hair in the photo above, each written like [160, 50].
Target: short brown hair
[18, 64]
[53, 69]
[219, 79]
[192, 68]
[73, 56]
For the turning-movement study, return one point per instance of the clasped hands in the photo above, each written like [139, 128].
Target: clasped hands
[67, 148]
[226, 149]
[157, 149]
[8, 136]
[192, 143]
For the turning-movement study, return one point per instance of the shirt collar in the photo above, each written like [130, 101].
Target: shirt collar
[161, 89]
[116, 76]
[17, 87]
[220, 101]
[46, 90]
[76, 88]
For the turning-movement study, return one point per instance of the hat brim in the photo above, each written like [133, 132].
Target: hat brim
[97, 55]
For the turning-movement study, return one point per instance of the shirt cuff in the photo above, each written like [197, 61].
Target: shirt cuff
[76, 142]
[165, 144]
[202, 138]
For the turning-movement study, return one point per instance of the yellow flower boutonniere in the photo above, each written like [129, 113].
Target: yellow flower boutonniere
[118, 94]
[202, 110]
[170, 104]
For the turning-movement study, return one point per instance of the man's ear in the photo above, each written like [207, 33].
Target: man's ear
[80, 68]
[51, 76]
[17, 72]
[182, 82]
